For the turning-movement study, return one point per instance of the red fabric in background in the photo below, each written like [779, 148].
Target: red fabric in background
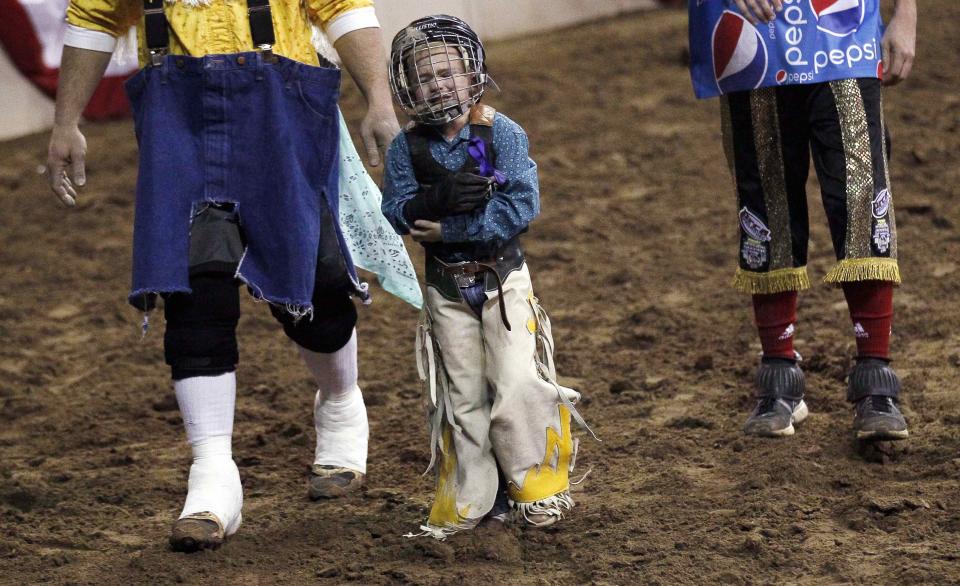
[22, 45]
[20, 41]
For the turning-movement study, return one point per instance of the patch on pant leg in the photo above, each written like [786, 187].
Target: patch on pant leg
[551, 476]
[754, 241]
[753, 253]
[881, 234]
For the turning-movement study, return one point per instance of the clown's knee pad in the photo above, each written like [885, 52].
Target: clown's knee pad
[328, 329]
[200, 338]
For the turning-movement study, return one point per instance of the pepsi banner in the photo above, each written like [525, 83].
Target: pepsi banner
[810, 41]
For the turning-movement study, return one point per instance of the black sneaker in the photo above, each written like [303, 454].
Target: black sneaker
[780, 385]
[773, 417]
[874, 389]
[878, 418]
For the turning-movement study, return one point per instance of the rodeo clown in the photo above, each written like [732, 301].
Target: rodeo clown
[794, 77]
[238, 135]
[460, 181]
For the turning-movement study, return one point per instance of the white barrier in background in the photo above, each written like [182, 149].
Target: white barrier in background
[501, 19]
[23, 109]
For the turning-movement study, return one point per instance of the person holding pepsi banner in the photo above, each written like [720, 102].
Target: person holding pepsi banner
[795, 77]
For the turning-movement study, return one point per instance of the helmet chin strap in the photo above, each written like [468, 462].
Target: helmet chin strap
[446, 115]
[461, 109]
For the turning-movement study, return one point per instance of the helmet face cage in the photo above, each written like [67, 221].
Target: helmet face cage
[437, 69]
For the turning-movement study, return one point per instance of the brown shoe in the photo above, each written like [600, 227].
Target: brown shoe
[542, 513]
[330, 482]
[199, 531]
[540, 520]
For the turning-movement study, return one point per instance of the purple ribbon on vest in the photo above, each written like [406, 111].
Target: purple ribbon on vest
[478, 150]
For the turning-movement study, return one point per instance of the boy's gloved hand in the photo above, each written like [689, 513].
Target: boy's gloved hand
[457, 193]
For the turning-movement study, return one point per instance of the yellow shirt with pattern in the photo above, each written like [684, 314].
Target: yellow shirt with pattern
[216, 27]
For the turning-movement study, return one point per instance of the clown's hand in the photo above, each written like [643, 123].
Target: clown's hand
[378, 129]
[66, 162]
[757, 11]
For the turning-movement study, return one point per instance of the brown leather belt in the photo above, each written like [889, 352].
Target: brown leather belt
[465, 274]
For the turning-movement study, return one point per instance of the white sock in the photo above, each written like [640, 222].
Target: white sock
[335, 373]
[206, 405]
[339, 415]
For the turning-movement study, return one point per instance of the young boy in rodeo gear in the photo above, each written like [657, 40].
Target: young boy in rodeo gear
[460, 181]
[797, 76]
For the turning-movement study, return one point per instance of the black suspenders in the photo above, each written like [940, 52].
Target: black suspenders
[261, 24]
[155, 29]
[158, 37]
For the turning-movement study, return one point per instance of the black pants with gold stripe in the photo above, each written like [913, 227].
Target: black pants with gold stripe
[769, 134]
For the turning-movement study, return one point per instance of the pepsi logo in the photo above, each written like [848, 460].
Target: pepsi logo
[739, 53]
[838, 17]
[880, 70]
[781, 76]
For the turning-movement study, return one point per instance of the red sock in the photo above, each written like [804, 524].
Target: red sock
[775, 315]
[871, 310]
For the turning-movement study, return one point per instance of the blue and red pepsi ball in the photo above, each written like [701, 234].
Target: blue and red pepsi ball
[838, 17]
[739, 53]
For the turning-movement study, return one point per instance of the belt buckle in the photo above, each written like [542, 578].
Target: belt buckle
[464, 280]
[461, 277]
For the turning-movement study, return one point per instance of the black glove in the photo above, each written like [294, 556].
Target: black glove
[457, 193]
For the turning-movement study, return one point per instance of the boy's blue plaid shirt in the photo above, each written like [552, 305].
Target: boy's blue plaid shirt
[511, 208]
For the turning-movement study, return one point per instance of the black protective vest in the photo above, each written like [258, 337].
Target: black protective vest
[427, 170]
[506, 257]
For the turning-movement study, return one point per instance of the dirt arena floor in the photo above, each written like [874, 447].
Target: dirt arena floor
[632, 256]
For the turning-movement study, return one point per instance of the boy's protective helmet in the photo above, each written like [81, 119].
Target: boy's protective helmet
[436, 34]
